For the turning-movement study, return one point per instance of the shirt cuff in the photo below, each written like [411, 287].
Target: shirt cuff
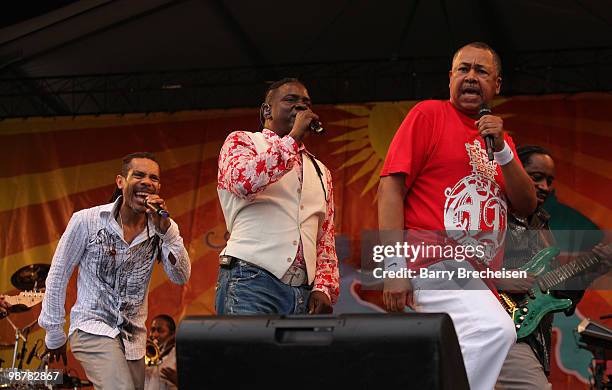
[324, 290]
[55, 338]
[171, 234]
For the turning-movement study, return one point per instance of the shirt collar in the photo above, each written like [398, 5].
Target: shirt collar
[467, 120]
[109, 210]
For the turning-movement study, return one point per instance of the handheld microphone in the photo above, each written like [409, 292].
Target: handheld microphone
[32, 354]
[158, 209]
[485, 110]
[316, 127]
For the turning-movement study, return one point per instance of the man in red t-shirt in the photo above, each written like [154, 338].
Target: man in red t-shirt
[437, 178]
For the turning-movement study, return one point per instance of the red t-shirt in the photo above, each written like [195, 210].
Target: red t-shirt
[452, 186]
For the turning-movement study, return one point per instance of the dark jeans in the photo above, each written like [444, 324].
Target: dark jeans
[247, 289]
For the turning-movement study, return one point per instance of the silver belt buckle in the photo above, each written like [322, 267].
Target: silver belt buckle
[294, 277]
[225, 261]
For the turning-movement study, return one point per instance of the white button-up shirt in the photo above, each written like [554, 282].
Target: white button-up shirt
[113, 279]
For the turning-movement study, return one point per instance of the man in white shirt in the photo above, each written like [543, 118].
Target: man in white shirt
[115, 246]
[277, 200]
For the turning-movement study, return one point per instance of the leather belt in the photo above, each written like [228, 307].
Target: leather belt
[227, 261]
[294, 277]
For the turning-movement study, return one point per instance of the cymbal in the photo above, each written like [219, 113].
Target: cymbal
[26, 277]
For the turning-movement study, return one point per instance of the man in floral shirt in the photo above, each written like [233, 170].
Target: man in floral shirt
[277, 201]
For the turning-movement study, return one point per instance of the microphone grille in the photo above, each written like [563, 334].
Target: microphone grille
[484, 110]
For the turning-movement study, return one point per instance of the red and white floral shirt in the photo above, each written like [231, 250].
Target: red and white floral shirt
[244, 173]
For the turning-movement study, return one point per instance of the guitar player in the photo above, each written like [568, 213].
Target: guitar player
[528, 362]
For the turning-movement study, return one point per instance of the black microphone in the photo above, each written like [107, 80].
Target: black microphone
[485, 110]
[158, 209]
[316, 126]
[31, 355]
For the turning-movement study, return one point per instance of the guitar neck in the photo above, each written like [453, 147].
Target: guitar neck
[567, 271]
[13, 300]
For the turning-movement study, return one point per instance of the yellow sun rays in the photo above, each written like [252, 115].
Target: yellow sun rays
[367, 143]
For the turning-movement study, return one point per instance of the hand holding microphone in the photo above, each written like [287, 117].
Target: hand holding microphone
[305, 120]
[485, 110]
[161, 216]
[491, 129]
[159, 210]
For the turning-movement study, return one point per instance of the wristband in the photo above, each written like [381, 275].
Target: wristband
[504, 156]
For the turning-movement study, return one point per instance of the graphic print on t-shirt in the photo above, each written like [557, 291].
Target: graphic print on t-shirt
[475, 210]
[124, 273]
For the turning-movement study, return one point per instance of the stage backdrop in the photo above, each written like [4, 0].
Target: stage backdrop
[51, 167]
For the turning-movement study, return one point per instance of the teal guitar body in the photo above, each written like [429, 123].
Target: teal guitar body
[531, 307]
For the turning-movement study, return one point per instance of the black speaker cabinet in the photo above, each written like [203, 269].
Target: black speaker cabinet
[363, 351]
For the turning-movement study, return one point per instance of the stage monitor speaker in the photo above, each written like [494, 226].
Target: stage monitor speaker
[360, 351]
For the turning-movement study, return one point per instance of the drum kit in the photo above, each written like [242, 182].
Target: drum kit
[31, 280]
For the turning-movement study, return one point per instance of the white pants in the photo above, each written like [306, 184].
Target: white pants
[485, 331]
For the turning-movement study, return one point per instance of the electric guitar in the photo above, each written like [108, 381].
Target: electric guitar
[530, 308]
[24, 301]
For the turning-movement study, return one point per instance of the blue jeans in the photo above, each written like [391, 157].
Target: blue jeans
[247, 289]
